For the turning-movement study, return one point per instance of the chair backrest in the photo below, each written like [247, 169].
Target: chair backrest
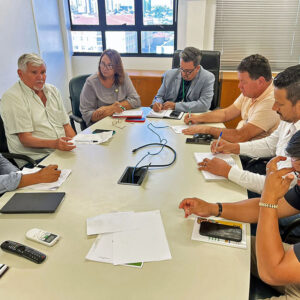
[211, 62]
[3, 141]
[75, 86]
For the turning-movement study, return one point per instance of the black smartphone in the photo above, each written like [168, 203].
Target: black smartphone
[103, 130]
[221, 231]
[175, 113]
[203, 136]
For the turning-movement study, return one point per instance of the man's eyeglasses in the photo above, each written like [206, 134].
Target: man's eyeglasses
[187, 72]
[105, 66]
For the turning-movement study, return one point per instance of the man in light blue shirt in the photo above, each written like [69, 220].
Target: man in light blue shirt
[11, 178]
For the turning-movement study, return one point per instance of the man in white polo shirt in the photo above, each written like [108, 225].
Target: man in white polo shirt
[35, 120]
[254, 105]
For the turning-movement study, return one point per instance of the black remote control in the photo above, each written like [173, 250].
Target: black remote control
[197, 141]
[24, 251]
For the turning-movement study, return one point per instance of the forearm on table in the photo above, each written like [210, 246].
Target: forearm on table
[230, 135]
[29, 179]
[216, 116]
[243, 211]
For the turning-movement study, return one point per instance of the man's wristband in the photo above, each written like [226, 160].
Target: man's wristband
[268, 205]
[220, 209]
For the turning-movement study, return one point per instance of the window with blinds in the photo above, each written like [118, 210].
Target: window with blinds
[269, 27]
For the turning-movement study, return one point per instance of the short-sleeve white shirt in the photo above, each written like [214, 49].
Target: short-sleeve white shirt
[23, 111]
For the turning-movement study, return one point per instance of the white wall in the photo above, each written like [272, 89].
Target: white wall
[46, 15]
[195, 28]
[32, 26]
[17, 35]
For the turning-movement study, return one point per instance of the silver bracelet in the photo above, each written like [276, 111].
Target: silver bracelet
[268, 205]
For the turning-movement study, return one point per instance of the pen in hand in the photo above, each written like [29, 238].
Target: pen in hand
[217, 144]
[190, 122]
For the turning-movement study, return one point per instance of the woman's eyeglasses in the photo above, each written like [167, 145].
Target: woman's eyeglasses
[105, 66]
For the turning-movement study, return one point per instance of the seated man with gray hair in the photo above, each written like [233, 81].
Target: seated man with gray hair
[35, 120]
[187, 89]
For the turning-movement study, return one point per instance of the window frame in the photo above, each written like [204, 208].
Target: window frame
[138, 27]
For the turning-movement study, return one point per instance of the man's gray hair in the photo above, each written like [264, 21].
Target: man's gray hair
[191, 54]
[29, 58]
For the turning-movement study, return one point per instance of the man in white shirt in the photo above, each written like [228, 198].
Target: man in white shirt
[287, 105]
[35, 120]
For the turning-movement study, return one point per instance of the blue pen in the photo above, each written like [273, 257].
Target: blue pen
[217, 144]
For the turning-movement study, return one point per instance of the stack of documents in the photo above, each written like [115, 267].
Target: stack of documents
[96, 138]
[209, 176]
[46, 186]
[128, 237]
[138, 114]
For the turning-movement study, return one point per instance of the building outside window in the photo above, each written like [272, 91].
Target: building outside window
[132, 27]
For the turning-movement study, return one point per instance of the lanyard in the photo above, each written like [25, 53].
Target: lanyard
[182, 90]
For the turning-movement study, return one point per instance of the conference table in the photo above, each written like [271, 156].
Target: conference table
[197, 270]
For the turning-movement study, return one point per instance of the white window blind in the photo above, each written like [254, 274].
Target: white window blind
[269, 27]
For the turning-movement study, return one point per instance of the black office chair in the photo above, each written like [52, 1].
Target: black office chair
[211, 62]
[75, 86]
[11, 156]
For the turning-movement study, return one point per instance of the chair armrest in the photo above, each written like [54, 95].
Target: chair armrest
[76, 119]
[19, 156]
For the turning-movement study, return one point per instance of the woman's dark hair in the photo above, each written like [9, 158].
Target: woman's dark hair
[116, 61]
[293, 147]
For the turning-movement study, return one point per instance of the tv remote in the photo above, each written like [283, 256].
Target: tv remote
[23, 251]
[197, 141]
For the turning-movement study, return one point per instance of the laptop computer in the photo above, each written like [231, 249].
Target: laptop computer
[28, 203]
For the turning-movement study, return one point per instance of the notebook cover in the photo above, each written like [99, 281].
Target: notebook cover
[25, 203]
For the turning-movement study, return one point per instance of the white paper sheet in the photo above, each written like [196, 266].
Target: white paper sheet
[199, 156]
[148, 243]
[179, 128]
[46, 186]
[101, 250]
[111, 222]
[129, 113]
[91, 139]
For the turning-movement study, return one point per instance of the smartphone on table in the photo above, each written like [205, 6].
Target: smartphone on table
[221, 231]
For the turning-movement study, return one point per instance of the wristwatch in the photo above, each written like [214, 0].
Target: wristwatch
[220, 209]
